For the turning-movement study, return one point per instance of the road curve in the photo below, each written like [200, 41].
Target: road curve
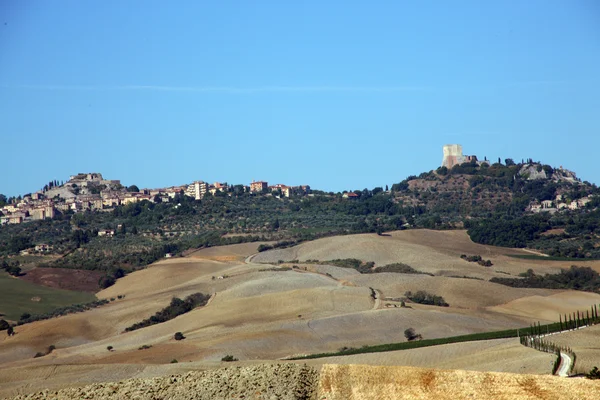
[565, 364]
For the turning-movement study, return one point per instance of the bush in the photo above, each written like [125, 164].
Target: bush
[144, 347]
[174, 361]
[593, 374]
[422, 297]
[411, 335]
[76, 308]
[176, 308]
[229, 358]
[477, 259]
[179, 336]
[399, 268]
[106, 282]
[109, 348]
[576, 278]
[4, 325]
[264, 247]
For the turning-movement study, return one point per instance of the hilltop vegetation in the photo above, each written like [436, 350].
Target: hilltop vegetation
[489, 200]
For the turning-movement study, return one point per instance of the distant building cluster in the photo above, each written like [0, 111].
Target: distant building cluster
[560, 202]
[90, 191]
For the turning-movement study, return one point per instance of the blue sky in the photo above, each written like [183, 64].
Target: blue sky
[335, 94]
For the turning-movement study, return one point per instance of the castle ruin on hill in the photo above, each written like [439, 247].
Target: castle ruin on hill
[453, 155]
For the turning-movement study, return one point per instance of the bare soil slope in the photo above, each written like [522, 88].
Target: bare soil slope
[65, 278]
[436, 252]
[501, 355]
[260, 312]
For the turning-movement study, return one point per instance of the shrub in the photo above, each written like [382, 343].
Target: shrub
[25, 316]
[399, 268]
[76, 308]
[106, 282]
[576, 278]
[179, 336]
[176, 308]
[593, 374]
[229, 358]
[144, 347]
[174, 361]
[4, 325]
[410, 334]
[264, 247]
[422, 297]
[477, 259]
[109, 348]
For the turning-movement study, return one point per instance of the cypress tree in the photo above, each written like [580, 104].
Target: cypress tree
[560, 321]
[596, 311]
[588, 318]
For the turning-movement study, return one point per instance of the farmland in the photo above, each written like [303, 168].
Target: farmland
[18, 297]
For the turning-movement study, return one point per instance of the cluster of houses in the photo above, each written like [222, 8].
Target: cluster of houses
[91, 192]
[559, 203]
[198, 189]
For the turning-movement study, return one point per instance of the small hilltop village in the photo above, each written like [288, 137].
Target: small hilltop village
[90, 191]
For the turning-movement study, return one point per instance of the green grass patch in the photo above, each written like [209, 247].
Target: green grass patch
[550, 258]
[510, 333]
[16, 295]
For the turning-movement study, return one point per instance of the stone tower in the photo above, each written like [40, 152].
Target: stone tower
[453, 155]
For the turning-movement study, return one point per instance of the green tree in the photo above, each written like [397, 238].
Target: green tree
[106, 281]
[3, 325]
[410, 334]
[133, 188]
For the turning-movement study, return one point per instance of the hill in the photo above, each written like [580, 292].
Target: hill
[261, 311]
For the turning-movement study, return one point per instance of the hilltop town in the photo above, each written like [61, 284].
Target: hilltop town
[91, 192]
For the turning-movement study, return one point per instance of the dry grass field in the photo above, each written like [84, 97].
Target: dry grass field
[437, 252]
[260, 314]
[354, 382]
[500, 355]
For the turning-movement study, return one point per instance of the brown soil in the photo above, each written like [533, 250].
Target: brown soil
[280, 381]
[65, 278]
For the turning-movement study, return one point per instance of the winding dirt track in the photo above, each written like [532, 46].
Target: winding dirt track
[565, 364]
